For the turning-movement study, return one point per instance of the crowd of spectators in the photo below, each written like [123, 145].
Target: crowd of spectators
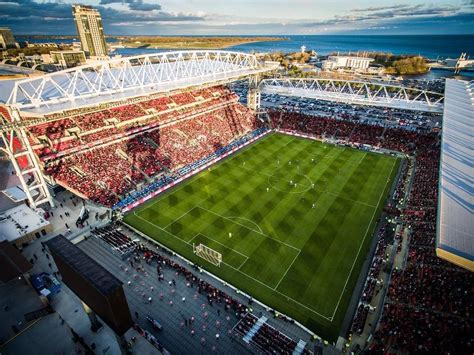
[407, 329]
[113, 121]
[118, 241]
[429, 302]
[108, 172]
[347, 130]
[213, 294]
[266, 338]
[372, 284]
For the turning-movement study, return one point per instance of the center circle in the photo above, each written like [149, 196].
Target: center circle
[289, 182]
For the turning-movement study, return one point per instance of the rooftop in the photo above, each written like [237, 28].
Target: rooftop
[70, 254]
[18, 222]
[12, 263]
[128, 77]
[455, 238]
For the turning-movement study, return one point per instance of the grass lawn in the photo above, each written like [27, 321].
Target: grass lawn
[301, 215]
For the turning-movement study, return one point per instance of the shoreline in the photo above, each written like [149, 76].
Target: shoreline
[191, 45]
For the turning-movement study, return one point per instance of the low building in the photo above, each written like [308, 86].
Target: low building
[12, 263]
[43, 45]
[335, 62]
[20, 225]
[68, 59]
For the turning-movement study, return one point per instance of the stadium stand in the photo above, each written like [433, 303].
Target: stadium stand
[266, 338]
[119, 242]
[429, 302]
[118, 153]
[105, 155]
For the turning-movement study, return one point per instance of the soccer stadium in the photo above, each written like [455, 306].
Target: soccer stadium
[201, 218]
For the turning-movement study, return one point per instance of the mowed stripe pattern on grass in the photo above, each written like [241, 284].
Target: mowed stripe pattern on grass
[299, 212]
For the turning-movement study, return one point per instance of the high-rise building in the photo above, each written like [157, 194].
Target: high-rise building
[90, 30]
[6, 38]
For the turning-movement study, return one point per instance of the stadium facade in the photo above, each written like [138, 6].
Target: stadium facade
[54, 97]
[121, 131]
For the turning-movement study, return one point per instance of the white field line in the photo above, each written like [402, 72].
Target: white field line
[346, 161]
[197, 176]
[256, 231]
[362, 158]
[362, 243]
[289, 142]
[248, 220]
[315, 188]
[280, 293]
[246, 275]
[243, 263]
[156, 226]
[184, 214]
[286, 272]
[225, 246]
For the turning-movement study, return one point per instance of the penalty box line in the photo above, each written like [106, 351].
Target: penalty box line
[244, 274]
[177, 219]
[286, 272]
[281, 293]
[253, 230]
[325, 156]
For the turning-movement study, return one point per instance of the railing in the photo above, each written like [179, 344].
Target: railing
[130, 76]
[356, 92]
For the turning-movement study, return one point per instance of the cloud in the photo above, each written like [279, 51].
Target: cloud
[32, 17]
[122, 17]
[386, 13]
[136, 5]
[379, 8]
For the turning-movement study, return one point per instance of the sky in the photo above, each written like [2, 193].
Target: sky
[246, 17]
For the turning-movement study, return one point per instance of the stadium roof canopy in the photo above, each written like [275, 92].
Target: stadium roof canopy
[127, 77]
[356, 92]
[455, 234]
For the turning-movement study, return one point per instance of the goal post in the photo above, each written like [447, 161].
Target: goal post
[209, 254]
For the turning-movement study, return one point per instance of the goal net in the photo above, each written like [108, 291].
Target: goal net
[214, 257]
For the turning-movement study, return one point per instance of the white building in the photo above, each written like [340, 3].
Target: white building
[68, 59]
[346, 62]
[21, 225]
[90, 30]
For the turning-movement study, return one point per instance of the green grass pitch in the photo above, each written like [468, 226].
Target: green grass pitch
[301, 215]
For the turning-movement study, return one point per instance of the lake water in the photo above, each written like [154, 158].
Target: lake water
[442, 46]
[428, 46]
[449, 46]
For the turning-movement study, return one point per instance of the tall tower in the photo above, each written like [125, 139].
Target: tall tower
[6, 38]
[90, 30]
